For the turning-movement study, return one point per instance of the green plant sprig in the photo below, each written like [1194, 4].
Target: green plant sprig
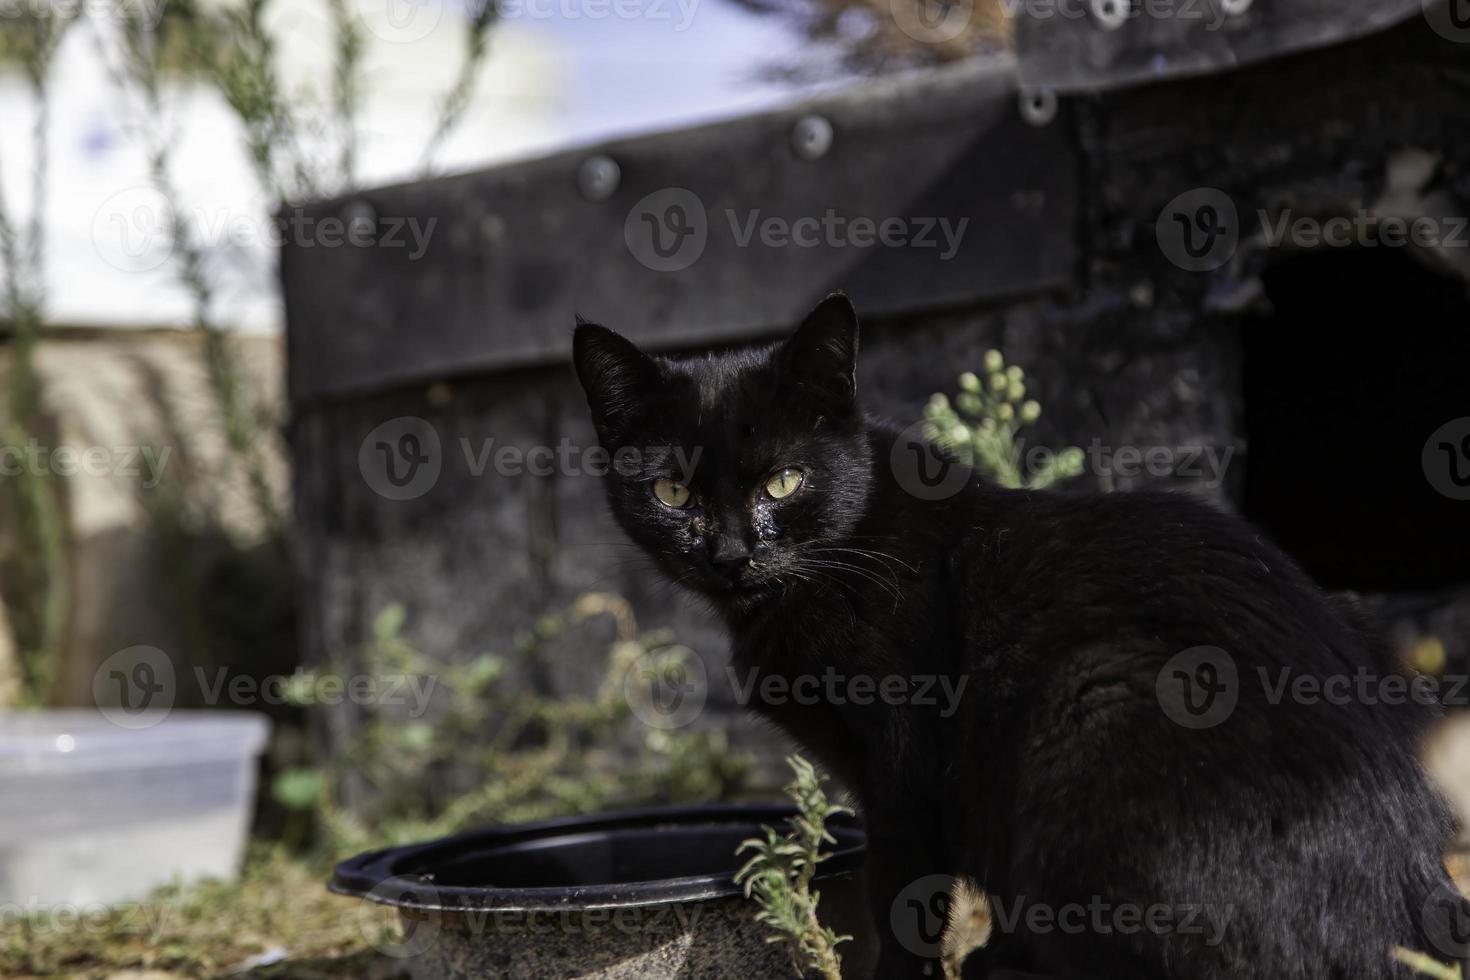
[778, 876]
[981, 425]
[34, 559]
[495, 750]
[1426, 965]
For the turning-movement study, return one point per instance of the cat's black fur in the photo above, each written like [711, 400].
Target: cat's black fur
[1308, 831]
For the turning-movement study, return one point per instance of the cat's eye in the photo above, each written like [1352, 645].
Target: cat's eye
[783, 483]
[671, 493]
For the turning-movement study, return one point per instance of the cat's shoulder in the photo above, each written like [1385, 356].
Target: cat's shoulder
[1154, 533]
[1092, 515]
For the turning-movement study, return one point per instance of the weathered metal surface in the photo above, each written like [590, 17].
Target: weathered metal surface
[1137, 351]
[1091, 45]
[984, 202]
[1279, 145]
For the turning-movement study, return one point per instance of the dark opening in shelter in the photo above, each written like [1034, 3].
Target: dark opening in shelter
[1363, 357]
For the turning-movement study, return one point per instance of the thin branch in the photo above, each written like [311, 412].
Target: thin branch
[140, 71]
[48, 31]
[37, 500]
[240, 57]
[346, 87]
[456, 100]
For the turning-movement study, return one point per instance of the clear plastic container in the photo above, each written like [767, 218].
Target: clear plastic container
[91, 812]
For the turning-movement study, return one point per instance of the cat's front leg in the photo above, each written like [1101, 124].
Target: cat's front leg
[908, 886]
[1003, 957]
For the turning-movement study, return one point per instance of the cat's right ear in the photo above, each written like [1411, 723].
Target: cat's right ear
[616, 375]
[821, 357]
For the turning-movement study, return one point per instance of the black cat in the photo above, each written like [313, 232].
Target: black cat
[1133, 765]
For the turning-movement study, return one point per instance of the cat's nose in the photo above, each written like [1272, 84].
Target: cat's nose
[732, 568]
[729, 556]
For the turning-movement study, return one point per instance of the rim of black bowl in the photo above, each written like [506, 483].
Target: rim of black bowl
[394, 876]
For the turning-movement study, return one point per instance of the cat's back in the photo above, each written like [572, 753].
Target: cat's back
[1143, 660]
[1064, 568]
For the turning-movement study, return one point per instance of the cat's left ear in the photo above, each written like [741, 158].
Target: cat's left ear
[821, 357]
[615, 374]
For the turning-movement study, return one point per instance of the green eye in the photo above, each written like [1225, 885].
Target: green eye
[671, 494]
[783, 483]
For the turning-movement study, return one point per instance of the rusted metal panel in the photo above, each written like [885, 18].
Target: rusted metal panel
[920, 193]
[1091, 45]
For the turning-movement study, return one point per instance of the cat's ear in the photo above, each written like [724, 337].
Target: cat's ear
[821, 357]
[616, 375]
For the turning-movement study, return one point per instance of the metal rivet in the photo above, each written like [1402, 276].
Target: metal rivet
[1234, 8]
[1038, 106]
[812, 137]
[1111, 14]
[598, 177]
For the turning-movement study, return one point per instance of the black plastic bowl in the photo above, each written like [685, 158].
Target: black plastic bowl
[640, 893]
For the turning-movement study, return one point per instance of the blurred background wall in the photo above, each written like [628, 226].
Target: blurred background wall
[119, 366]
[149, 324]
